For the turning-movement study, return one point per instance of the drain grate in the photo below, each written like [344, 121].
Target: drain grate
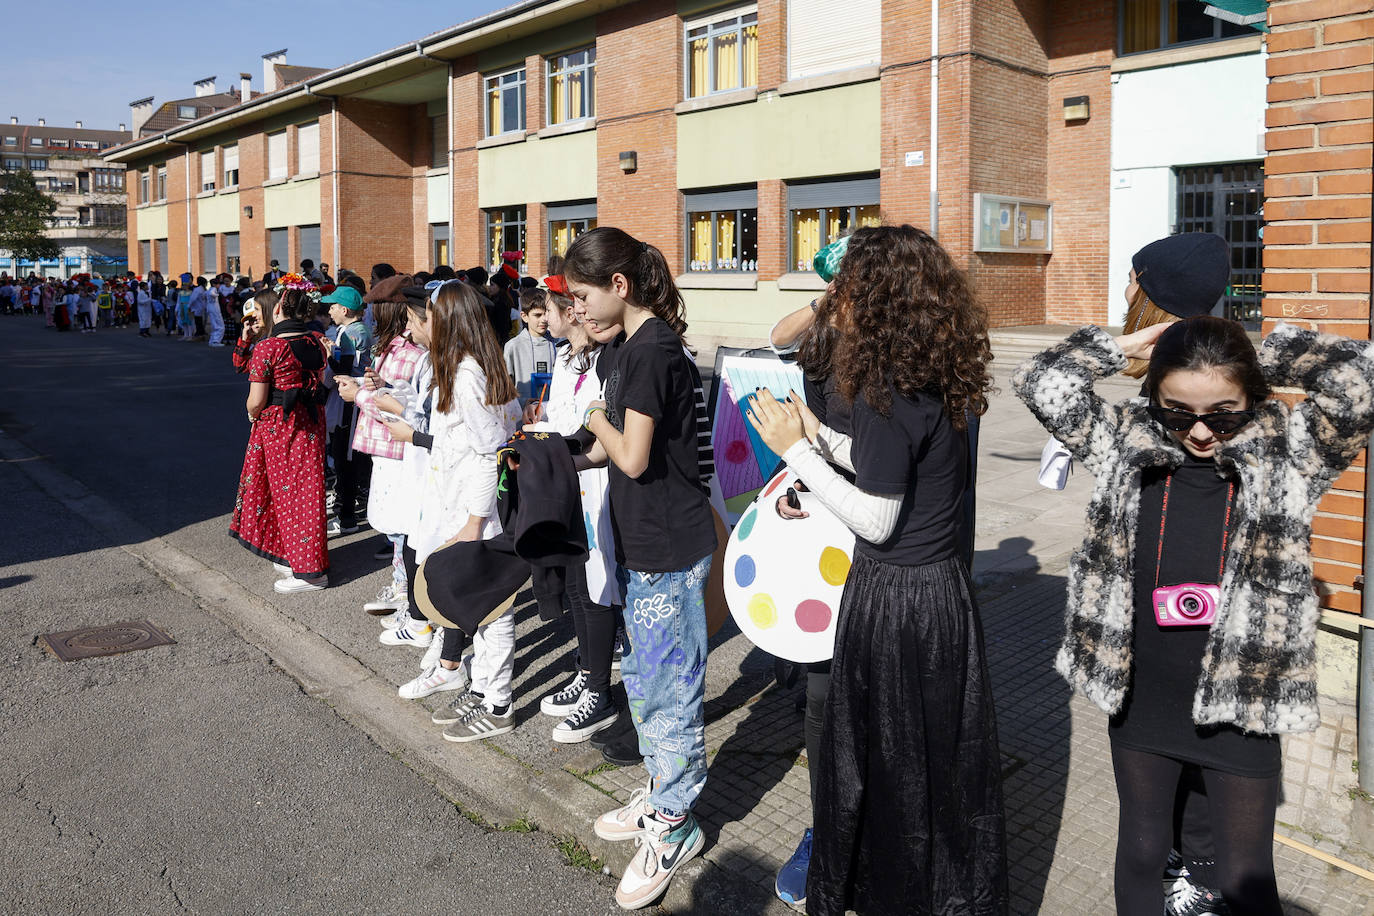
[90, 642]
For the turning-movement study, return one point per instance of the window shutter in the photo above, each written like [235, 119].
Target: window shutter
[276, 155]
[231, 158]
[308, 148]
[828, 35]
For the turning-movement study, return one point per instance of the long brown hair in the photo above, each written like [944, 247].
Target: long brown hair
[908, 321]
[391, 324]
[596, 256]
[458, 328]
[1142, 313]
[267, 305]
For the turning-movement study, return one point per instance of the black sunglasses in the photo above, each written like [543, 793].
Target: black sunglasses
[1223, 422]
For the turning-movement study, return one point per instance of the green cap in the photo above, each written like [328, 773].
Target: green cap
[827, 260]
[346, 296]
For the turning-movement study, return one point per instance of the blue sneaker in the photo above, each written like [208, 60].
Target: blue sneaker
[791, 883]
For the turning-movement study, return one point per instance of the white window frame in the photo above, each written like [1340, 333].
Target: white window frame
[207, 170]
[1019, 212]
[493, 81]
[721, 22]
[162, 183]
[277, 167]
[308, 164]
[230, 164]
[589, 82]
[182, 112]
[145, 186]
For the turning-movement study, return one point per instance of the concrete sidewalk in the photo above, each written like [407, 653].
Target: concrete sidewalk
[1060, 796]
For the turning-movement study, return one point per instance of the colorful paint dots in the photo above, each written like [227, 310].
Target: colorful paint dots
[813, 616]
[834, 566]
[746, 524]
[737, 452]
[762, 611]
[745, 571]
[777, 481]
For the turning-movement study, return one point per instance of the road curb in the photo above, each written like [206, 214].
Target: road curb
[497, 786]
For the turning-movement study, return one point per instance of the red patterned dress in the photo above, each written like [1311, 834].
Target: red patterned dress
[279, 512]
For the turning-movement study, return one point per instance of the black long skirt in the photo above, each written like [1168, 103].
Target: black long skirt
[908, 816]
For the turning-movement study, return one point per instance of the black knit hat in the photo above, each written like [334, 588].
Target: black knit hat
[1184, 274]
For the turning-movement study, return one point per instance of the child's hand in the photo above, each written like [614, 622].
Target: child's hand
[533, 412]
[779, 424]
[1141, 344]
[348, 387]
[400, 430]
[810, 422]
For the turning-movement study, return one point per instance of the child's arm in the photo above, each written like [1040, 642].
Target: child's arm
[629, 451]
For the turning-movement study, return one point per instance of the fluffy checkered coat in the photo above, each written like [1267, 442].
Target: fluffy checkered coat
[1258, 670]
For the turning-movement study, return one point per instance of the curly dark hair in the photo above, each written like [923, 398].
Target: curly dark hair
[908, 321]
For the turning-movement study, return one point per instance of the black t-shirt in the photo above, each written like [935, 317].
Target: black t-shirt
[662, 519]
[825, 401]
[917, 454]
[1158, 713]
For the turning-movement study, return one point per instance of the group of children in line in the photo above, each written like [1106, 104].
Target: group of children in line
[902, 742]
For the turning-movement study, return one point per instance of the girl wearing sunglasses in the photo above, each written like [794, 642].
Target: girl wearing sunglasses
[1191, 614]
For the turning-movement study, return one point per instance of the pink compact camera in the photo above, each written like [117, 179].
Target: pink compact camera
[1186, 605]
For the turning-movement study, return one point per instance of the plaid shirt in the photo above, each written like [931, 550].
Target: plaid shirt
[372, 437]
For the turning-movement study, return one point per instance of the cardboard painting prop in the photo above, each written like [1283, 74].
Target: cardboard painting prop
[784, 577]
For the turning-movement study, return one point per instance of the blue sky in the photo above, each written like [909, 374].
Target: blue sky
[88, 63]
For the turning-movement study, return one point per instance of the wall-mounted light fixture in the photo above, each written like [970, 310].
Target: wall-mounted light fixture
[629, 162]
[1076, 108]
[247, 212]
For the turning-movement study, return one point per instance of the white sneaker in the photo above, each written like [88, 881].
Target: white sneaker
[660, 851]
[390, 598]
[412, 634]
[399, 617]
[627, 821]
[293, 584]
[433, 680]
[282, 568]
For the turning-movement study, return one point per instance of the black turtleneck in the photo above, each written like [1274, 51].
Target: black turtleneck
[1167, 661]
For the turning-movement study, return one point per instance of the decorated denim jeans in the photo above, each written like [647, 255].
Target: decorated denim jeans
[665, 679]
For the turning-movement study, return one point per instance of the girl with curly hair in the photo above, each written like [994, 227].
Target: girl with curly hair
[908, 808]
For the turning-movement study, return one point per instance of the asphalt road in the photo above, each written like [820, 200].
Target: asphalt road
[197, 776]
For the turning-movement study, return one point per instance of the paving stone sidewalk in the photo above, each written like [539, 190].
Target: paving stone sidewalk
[1060, 797]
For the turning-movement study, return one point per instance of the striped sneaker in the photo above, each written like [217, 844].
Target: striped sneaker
[481, 722]
[415, 634]
[461, 705]
[433, 680]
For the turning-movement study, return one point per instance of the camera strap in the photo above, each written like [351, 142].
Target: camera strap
[1225, 528]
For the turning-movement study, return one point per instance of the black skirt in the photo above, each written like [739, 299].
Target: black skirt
[908, 816]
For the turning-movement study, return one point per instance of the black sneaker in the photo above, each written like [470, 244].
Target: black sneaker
[561, 704]
[594, 712]
[1188, 899]
[623, 750]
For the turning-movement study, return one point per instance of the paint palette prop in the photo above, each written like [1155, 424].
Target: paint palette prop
[784, 577]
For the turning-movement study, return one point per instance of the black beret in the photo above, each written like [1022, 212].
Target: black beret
[1184, 274]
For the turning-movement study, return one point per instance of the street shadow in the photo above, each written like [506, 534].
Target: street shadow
[12, 581]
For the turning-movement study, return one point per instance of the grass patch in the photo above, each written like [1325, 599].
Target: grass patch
[476, 819]
[578, 855]
[521, 825]
[603, 767]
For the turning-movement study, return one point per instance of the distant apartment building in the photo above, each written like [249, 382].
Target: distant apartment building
[89, 223]
[1041, 142]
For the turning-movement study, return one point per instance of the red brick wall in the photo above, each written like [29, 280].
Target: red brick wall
[1317, 208]
[382, 148]
[467, 248]
[1082, 42]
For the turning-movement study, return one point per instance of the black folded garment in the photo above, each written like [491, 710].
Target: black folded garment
[470, 583]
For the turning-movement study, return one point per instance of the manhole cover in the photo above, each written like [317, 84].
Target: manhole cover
[112, 639]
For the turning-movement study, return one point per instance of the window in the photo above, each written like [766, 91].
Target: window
[505, 232]
[823, 211]
[35, 141]
[186, 112]
[231, 166]
[207, 255]
[438, 243]
[824, 36]
[308, 149]
[108, 179]
[108, 216]
[14, 164]
[231, 252]
[723, 231]
[11, 141]
[438, 142]
[207, 170]
[162, 182]
[309, 239]
[277, 249]
[164, 263]
[85, 144]
[38, 165]
[143, 197]
[1012, 224]
[61, 184]
[145, 256]
[276, 155]
[567, 222]
[83, 216]
[572, 86]
[723, 52]
[505, 102]
[60, 144]
[1147, 25]
[1227, 199]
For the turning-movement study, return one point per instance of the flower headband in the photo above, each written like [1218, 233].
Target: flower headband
[296, 281]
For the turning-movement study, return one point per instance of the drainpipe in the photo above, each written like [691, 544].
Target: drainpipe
[334, 167]
[1365, 719]
[934, 227]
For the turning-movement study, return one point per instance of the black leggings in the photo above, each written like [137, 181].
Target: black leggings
[594, 625]
[1242, 820]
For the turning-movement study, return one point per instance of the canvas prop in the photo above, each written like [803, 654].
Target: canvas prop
[743, 462]
[784, 577]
